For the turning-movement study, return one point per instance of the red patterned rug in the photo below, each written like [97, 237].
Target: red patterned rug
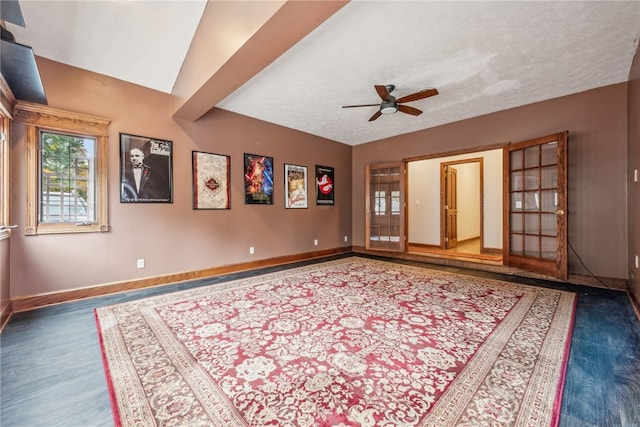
[353, 342]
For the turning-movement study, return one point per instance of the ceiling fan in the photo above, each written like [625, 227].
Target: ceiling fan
[391, 105]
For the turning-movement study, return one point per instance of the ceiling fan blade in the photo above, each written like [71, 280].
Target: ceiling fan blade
[375, 116]
[418, 95]
[409, 110]
[363, 105]
[383, 92]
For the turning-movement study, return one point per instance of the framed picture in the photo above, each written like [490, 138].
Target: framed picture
[295, 182]
[211, 178]
[258, 180]
[324, 185]
[146, 174]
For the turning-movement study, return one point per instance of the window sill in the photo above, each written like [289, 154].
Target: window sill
[64, 228]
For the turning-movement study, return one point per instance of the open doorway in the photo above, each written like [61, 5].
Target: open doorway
[461, 190]
[454, 206]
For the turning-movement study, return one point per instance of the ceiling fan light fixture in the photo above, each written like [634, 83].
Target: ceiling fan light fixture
[388, 107]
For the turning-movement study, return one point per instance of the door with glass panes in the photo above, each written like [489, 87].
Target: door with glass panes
[385, 207]
[535, 203]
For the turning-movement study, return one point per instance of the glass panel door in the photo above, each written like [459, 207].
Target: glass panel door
[536, 201]
[385, 207]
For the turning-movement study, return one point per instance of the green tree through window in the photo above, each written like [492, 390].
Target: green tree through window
[66, 180]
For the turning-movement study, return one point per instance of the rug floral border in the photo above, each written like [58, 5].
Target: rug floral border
[505, 367]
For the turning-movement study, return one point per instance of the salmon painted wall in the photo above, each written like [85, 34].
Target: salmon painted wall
[173, 237]
[4, 273]
[634, 163]
[597, 165]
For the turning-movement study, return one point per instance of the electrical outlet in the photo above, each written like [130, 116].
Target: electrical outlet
[346, 239]
[637, 261]
[140, 263]
[635, 175]
[315, 243]
[251, 250]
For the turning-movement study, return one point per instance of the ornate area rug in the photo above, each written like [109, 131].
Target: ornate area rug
[353, 342]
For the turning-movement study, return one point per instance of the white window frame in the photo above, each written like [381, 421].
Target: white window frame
[38, 118]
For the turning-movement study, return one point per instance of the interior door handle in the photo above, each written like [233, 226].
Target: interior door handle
[560, 212]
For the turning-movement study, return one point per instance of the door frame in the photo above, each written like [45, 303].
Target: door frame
[507, 258]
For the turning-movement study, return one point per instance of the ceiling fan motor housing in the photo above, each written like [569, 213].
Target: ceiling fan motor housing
[388, 107]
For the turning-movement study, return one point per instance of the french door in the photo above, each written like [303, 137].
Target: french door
[385, 207]
[535, 205]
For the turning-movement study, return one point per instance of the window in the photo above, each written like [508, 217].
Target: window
[380, 205]
[66, 170]
[67, 178]
[395, 202]
[7, 101]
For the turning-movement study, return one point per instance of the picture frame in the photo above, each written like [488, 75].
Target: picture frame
[146, 169]
[295, 186]
[258, 179]
[211, 177]
[325, 181]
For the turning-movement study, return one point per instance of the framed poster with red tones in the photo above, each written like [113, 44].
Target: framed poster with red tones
[324, 185]
[258, 180]
[295, 181]
[211, 178]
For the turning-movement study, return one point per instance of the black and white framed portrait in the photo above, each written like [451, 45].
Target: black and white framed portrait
[146, 174]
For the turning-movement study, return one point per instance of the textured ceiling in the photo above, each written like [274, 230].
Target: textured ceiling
[481, 56]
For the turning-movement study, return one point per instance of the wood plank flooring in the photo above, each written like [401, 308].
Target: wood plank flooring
[51, 371]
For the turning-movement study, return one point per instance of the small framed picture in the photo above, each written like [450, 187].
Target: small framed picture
[324, 185]
[146, 174]
[258, 179]
[211, 178]
[295, 182]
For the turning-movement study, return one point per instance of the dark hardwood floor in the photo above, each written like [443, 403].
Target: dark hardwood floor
[51, 371]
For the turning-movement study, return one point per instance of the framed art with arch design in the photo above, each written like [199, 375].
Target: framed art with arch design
[211, 180]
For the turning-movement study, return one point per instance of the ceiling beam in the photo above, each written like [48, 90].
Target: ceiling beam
[235, 41]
